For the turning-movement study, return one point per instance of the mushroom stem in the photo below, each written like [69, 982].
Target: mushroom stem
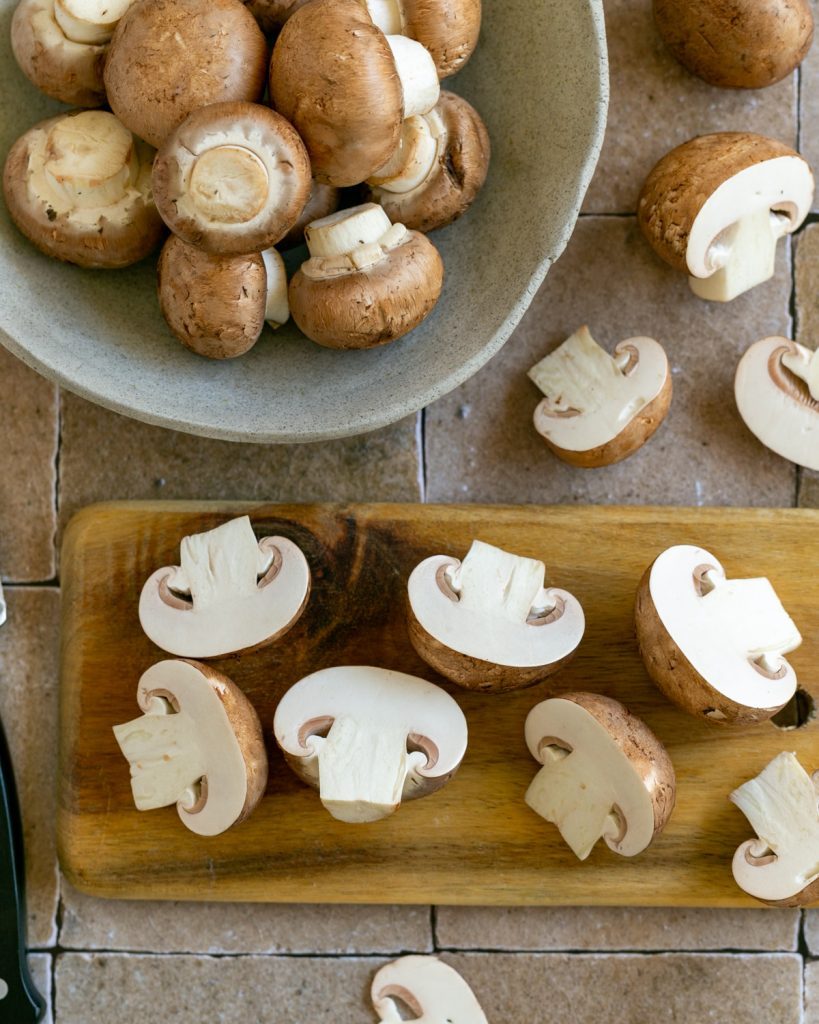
[387, 15]
[418, 74]
[415, 157]
[744, 258]
[490, 579]
[229, 184]
[277, 308]
[89, 21]
[804, 364]
[347, 230]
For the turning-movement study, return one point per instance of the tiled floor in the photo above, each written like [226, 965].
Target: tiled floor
[137, 962]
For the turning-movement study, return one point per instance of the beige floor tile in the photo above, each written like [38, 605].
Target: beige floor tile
[28, 707]
[811, 993]
[807, 318]
[615, 928]
[812, 931]
[481, 445]
[40, 966]
[29, 427]
[656, 105]
[809, 107]
[89, 923]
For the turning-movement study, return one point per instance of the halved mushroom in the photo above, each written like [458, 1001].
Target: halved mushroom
[217, 305]
[780, 866]
[600, 409]
[79, 187]
[432, 990]
[605, 774]
[230, 593]
[198, 745]
[489, 623]
[169, 57]
[438, 168]
[323, 200]
[367, 281]
[233, 178]
[777, 393]
[714, 646]
[737, 44]
[347, 87]
[716, 206]
[449, 29]
[368, 738]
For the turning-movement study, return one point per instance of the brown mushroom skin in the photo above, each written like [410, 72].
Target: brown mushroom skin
[324, 200]
[803, 898]
[449, 29]
[736, 44]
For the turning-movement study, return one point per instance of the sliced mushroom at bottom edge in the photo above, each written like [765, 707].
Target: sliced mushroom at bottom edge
[432, 990]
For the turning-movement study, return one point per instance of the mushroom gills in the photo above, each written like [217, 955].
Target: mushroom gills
[417, 72]
[803, 363]
[745, 255]
[354, 239]
[277, 307]
[416, 156]
[89, 21]
[492, 580]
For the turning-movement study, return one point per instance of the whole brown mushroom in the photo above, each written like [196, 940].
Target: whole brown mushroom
[272, 14]
[449, 29]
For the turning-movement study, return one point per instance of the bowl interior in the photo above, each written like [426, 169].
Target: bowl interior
[539, 78]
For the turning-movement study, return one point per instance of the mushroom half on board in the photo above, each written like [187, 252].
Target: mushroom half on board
[198, 745]
[368, 738]
[431, 990]
[599, 409]
[716, 207]
[715, 646]
[489, 623]
[605, 774]
[230, 593]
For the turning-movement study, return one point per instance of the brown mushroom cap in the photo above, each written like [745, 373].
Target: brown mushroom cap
[215, 305]
[736, 44]
[324, 200]
[449, 29]
[272, 14]
[167, 58]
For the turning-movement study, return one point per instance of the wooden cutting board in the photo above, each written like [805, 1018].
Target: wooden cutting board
[475, 841]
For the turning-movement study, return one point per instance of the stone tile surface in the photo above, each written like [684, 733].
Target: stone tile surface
[811, 928]
[811, 993]
[807, 324]
[40, 965]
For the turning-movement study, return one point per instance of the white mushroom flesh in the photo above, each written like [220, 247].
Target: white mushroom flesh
[89, 21]
[387, 15]
[749, 251]
[492, 580]
[418, 74]
[781, 805]
[803, 362]
[222, 565]
[433, 991]
[350, 240]
[277, 307]
[76, 58]
[423, 138]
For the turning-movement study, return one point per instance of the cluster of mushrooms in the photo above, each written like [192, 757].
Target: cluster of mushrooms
[360, 156]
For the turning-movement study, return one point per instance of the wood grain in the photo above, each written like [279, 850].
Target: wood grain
[474, 842]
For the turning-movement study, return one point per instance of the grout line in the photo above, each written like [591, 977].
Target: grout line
[57, 481]
[433, 924]
[421, 443]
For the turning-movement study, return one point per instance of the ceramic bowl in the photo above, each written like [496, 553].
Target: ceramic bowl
[539, 78]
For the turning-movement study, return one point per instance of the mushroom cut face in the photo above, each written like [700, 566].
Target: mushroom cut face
[431, 989]
[230, 593]
[599, 409]
[715, 646]
[490, 622]
[604, 775]
[369, 738]
[449, 29]
[198, 745]
[233, 178]
[79, 187]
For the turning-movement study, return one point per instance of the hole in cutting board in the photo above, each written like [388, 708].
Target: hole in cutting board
[799, 710]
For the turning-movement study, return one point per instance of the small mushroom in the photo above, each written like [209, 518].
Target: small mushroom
[780, 866]
[367, 281]
[198, 745]
[433, 991]
[79, 187]
[347, 88]
[600, 409]
[736, 44]
[167, 58]
[605, 774]
[233, 178]
[323, 200]
[714, 646]
[716, 206]
[449, 29]
[489, 623]
[368, 738]
[230, 593]
[777, 394]
[438, 168]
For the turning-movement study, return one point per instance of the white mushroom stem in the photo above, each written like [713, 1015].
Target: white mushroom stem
[228, 184]
[432, 990]
[804, 363]
[277, 308]
[349, 240]
[492, 580]
[416, 155]
[89, 21]
[746, 257]
[418, 74]
[387, 15]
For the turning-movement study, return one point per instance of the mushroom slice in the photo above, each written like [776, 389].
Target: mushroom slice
[777, 393]
[431, 989]
[489, 622]
[230, 593]
[605, 774]
[368, 738]
[198, 745]
[233, 178]
[714, 646]
[346, 87]
[79, 187]
[600, 409]
[717, 205]
[449, 29]
[780, 866]
[438, 168]
[367, 281]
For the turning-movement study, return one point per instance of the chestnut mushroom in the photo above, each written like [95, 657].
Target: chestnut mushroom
[716, 206]
[347, 88]
[272, 14]
[79, 187]
[489, 623]
[167, 58]
[230, 593]
[431, 989]
[714, 646]
[600, 409]
[736, 44]
[605, 774]
[367, 281]
[449, 29]
[438, 168]
[198, 745]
